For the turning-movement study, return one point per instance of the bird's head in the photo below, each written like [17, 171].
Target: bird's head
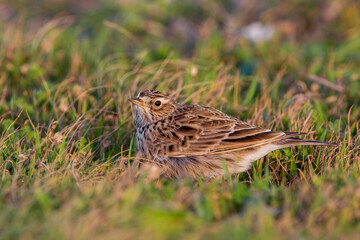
[152, 106]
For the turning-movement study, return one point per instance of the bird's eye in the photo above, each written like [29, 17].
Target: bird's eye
[157, 103]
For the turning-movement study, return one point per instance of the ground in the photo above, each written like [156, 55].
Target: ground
[67, 136]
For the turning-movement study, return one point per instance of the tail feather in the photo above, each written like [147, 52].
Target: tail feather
[291, 141]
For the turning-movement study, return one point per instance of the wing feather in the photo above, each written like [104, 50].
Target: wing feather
[198, 130]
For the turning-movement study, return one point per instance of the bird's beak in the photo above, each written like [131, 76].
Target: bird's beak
[136, 101]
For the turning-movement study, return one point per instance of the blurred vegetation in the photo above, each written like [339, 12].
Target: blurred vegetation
[67, 69]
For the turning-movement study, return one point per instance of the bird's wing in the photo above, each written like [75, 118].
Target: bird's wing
[198, 130]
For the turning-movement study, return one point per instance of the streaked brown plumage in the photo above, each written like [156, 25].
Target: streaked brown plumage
[193, 140]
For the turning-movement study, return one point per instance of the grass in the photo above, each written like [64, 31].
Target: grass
[67, 138]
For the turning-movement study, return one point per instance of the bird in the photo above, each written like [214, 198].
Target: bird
[192, 141]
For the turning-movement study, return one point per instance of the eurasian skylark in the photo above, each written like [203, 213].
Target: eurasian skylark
[194, 140]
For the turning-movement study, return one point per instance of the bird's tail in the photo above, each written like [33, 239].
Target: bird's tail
[290, 140]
